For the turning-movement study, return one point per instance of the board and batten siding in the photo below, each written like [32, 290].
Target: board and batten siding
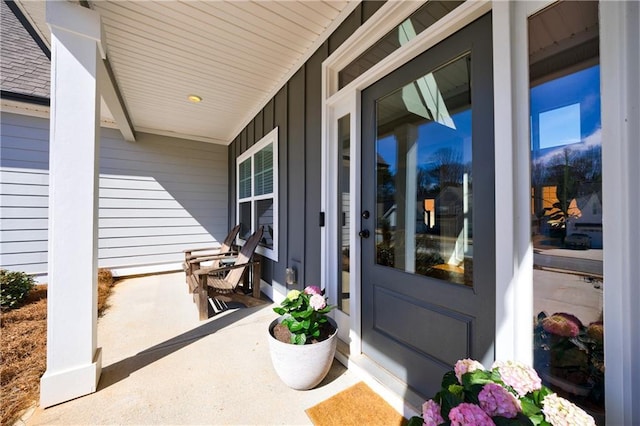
[158, 196]
[296, 110]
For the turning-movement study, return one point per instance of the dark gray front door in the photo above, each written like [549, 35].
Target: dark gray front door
[428, 261]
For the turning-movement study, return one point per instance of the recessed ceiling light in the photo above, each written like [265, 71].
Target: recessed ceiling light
[194, 98]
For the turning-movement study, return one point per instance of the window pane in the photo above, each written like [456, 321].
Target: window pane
[244, 179]
[420, 20]
[264, 217]
[424, 180]
[344, 207]
[566, 213]
[264, 170]
[245, 220]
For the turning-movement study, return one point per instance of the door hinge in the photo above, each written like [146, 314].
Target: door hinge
[321, 219]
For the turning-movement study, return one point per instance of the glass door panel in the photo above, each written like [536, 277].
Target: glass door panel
[566, 202]
[344, 208]
[424, 179]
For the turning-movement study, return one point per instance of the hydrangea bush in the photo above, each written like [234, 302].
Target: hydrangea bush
[304, 314]
[510, 393]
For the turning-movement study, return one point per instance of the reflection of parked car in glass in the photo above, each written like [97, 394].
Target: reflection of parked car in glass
[578, 241]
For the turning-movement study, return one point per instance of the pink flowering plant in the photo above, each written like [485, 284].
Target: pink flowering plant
[509, 394]
[572, 351]
[304, 314]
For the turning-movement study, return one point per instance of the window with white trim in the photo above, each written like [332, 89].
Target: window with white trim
[257, 193]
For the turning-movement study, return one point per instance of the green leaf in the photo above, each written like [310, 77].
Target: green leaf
[503, 421]
[298, 339]
[538, 420]
[529, 408]
[295, 326]
[449, 400]
[471, 394]
[448, 379]
[477, 377]
[415, 421]
[278, 310]
[457, 390]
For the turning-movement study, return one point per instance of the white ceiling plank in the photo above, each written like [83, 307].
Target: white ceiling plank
[326, 9]
[154, 23]
[236, 55]
[291, 14]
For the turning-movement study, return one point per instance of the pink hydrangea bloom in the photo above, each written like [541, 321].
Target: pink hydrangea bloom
[522, 378]
[561, 325]
[317, 302]
[467, 414]
[466, 366]
[497, 401]
[431, 413]
[560, 412]
[313, 289]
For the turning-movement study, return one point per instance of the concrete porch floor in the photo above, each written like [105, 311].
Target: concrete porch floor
[161, 365]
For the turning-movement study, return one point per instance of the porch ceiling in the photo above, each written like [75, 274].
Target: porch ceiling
[233, 54]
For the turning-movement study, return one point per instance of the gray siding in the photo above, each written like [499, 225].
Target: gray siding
[158, 196]
[296, 110]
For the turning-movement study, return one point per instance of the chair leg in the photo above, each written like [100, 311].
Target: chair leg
[203, 298]
[255, 280]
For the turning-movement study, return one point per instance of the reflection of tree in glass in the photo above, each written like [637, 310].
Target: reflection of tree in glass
[448, 167]
[574, 172]
[386, 186]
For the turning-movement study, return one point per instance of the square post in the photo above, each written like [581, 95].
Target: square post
[73, 359]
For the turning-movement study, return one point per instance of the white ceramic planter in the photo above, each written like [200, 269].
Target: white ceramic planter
[302, 367]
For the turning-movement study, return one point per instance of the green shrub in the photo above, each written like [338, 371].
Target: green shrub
[14, 288]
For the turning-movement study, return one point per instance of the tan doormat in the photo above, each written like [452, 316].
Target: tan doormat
[357, 405]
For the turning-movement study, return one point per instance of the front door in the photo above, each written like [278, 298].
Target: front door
[427, 219]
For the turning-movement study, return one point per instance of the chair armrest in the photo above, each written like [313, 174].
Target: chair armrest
[200, 249]
[205, 271]
[204, 258]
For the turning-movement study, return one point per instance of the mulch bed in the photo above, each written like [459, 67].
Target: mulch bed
[23, 349]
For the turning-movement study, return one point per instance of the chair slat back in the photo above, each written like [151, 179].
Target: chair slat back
[246, 253]
[226, 245]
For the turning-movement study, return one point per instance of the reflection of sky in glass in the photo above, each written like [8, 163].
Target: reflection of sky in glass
[560, 126]
[432, 137]
[555, 128]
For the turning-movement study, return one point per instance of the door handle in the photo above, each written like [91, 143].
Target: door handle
[364, 233]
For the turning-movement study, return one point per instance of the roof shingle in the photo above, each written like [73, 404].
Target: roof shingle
[24, 67]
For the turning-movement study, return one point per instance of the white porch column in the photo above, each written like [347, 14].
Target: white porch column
[73, 360]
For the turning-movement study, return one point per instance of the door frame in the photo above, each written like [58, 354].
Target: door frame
[337, 103]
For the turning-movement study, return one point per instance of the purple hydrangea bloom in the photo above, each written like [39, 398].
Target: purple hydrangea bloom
[497, 401]
[313, 289]
[431, 413]
[467, 414]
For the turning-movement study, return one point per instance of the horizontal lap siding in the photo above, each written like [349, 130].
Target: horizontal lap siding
[158, 196]
[24, 193]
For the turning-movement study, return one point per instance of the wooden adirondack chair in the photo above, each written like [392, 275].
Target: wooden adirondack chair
[193, 258]
[211, 283]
